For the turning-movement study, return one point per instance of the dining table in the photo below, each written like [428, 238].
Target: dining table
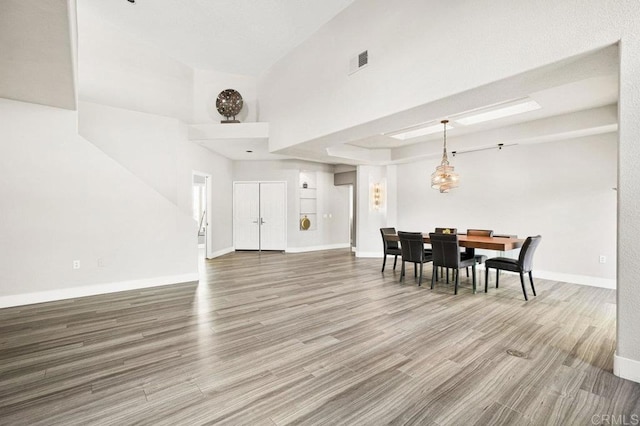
[475, 241]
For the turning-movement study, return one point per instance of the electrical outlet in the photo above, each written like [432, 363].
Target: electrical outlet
[603, 259]
[76, 264]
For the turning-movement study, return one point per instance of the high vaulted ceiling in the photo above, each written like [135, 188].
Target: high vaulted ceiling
[241, 37]
[577, 96]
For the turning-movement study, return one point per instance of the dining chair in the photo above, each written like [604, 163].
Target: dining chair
[446, 253]
[446, 231]
[390, 248]
[412, 248]
[471, 252]
[523, 264]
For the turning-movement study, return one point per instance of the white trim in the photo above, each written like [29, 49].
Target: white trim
[626, 368]
[92, 290]
[575, 279]
[220, 252]
[316, 248]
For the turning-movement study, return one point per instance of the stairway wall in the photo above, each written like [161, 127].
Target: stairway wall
[63, 199]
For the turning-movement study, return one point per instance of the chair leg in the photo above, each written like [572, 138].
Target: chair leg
[473, 272]
[420, 278]
[486, 279]
[524, 291]
[415, 270]
[384, 262]
[395, 260]
[455, 289]
[497, 277]
[447, 275]
[434, 275]
[467, 269]
[401, 272]
[531, 281]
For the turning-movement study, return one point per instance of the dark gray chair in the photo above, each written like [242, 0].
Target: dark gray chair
[446, 253]
[391, 248]
[523, 264]
[412, 248]
[446, 231]
[471, 252]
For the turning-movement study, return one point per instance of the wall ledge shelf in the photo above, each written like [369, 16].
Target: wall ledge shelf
[214, 131]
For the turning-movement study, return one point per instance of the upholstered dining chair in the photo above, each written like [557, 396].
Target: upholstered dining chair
[391, 248]
[412, 248]
[446, 231]
[446, 253]
[523, 264]
[471, 252]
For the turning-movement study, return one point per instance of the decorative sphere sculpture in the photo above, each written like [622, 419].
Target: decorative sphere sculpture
[229, 104]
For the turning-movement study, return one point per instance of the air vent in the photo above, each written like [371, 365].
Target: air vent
[359, 61]
[363, 59]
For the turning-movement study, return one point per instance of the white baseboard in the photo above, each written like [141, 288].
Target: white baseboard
[218, 253]
[626, 368]
[92, 290]
[316, 248]
[575, 279]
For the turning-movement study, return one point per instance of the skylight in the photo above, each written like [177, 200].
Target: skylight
[420, 131]
[500, 111]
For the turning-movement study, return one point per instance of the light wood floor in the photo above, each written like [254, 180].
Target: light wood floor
[314, 338]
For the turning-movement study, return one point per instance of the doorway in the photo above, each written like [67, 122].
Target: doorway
[200, 185]
[260, 216]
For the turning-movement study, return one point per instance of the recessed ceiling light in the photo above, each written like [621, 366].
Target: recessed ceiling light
[420, 131]
[499, 111]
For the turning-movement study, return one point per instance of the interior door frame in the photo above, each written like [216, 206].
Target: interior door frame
[207, 217]
[286, 213]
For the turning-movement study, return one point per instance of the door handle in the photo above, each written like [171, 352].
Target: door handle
[255, 221]
[262, 222]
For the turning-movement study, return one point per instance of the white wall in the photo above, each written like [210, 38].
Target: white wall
[208, 84]
[64, 200]
[560, 190]
[156, 149]
[369, 220]
[192, 157]
[145, 144]
[332, 200]
[117, 69]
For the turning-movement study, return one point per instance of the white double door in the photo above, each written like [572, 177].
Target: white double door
[260, 215]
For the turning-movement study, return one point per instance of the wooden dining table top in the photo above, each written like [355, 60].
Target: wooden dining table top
[476, 241]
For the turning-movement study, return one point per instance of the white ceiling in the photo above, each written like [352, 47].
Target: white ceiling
[233, 36]
[34, 36]
[247, 37]
[577, 97]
